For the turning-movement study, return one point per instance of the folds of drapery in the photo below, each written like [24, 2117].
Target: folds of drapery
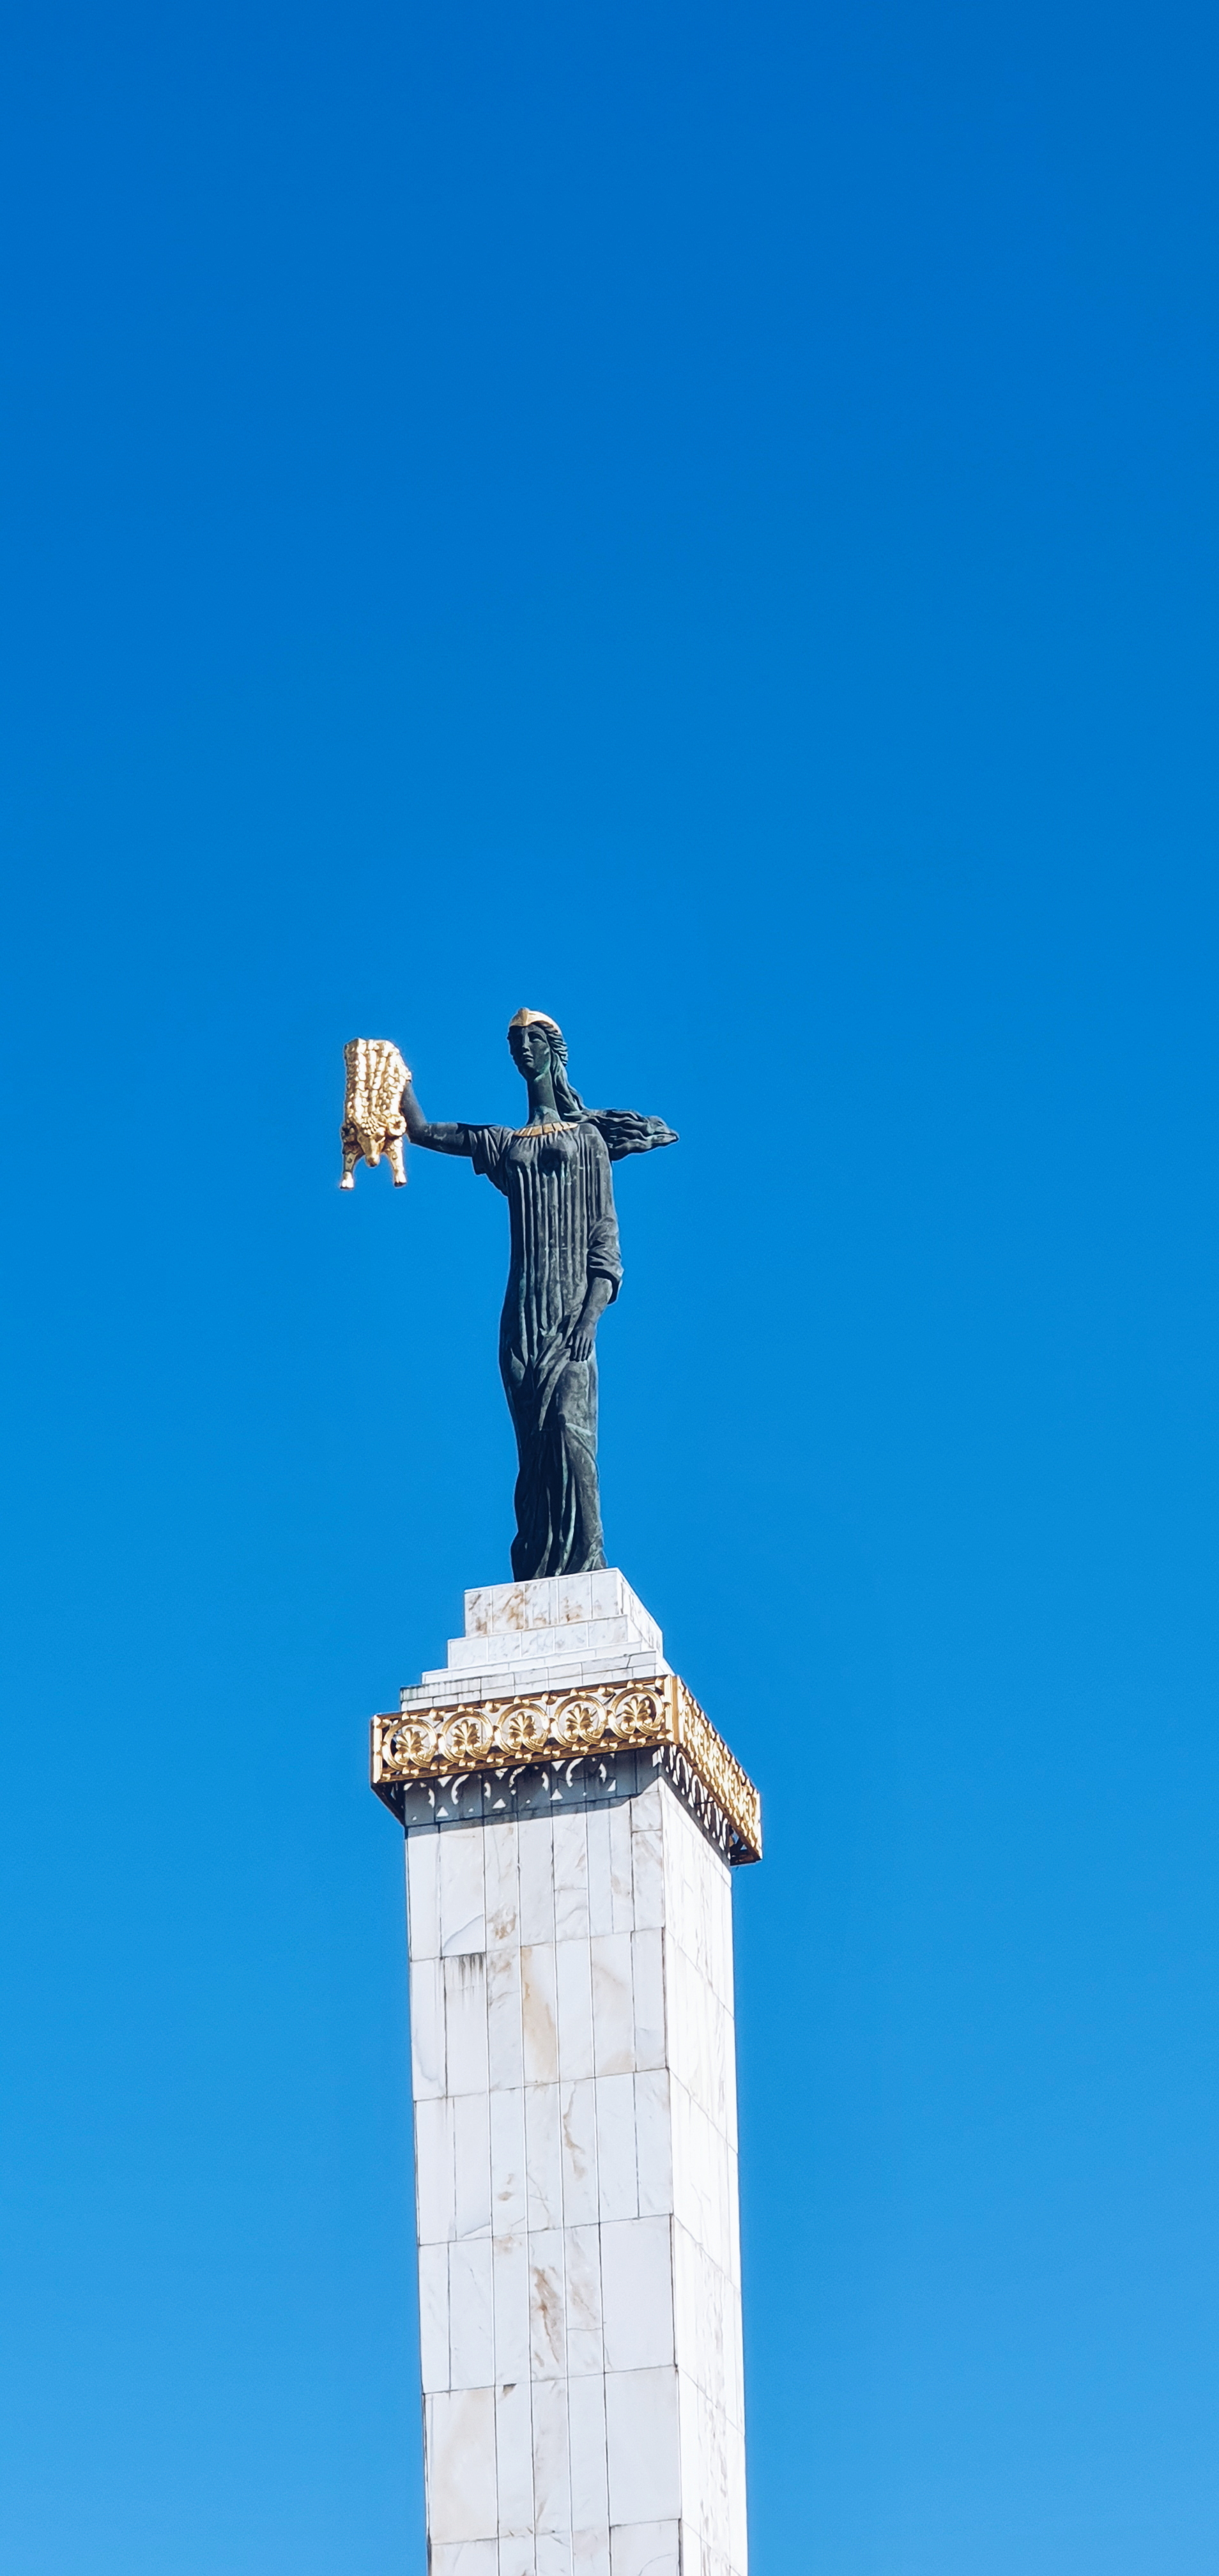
[564, 1232]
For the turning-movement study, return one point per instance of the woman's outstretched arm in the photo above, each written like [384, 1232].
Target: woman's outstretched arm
[440, 1140]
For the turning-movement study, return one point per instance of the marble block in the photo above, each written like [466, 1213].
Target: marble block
[566, 1629]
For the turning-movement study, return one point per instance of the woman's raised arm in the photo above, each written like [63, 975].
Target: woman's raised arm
[440, 1140]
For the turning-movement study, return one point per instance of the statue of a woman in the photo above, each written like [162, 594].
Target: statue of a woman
[564, 1271]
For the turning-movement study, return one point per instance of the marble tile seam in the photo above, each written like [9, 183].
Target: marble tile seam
[471, 2164]
[468, 2558]
[637, 2290]
[712, 2473]
[569, 1846]
[543, 2158]
[433, 2261]
[588, 2453]
[642, 2444]
[547, 2306]
[434, 2171]
[426, 2009]
[707, 2326]
[514, 2460]
[462, 1890]
[574, 2008]
[422, 1883]
[540, 2011]
[510, 2309]
[590, 2552]
[648, 2549]
[704, 2183]
[585, 2300]
[617, 2146]
[471, 2340]
[505, 2020]
[551, 2456]
[460, 2466]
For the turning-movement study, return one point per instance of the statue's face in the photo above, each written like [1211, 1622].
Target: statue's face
[530, 1047]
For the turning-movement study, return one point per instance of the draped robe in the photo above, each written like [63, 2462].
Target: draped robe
[564, 1232]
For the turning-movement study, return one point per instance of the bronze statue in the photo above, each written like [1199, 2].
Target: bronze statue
[564, 1271]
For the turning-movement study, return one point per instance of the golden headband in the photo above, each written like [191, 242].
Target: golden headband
[521, 1020]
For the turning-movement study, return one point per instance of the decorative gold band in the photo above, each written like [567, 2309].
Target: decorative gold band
[557, 1726]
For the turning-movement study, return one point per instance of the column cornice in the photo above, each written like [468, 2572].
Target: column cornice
[503, 1735]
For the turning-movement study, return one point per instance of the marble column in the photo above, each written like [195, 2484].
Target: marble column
[572, 1822]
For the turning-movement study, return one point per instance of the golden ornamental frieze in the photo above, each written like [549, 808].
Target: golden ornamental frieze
[602, 1718]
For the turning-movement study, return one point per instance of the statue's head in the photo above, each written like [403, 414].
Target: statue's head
[539, 1047]
[536, 1041]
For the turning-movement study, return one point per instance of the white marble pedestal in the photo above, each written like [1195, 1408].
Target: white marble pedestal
[570, 1930]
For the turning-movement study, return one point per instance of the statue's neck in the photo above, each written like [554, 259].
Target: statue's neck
[542, 1109]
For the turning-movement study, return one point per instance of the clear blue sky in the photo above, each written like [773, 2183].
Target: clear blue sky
[701, 520]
